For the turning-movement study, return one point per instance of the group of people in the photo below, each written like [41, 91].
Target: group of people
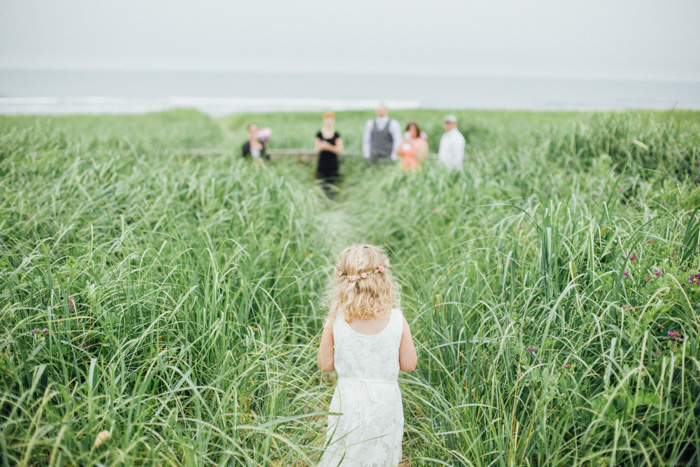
[382, 143]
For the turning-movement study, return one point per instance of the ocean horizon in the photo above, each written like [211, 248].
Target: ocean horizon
[61, 92]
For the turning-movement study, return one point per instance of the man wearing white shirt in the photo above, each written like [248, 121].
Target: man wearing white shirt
[452, 143]
[381, 138]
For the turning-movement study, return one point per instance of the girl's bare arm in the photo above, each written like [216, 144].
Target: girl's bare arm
[407, 351]
[325, 357]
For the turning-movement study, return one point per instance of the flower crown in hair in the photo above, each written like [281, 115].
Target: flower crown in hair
[362, 275]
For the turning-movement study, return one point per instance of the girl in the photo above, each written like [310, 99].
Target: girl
[367, 342]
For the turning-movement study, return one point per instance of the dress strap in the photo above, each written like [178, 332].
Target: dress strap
[399, 322]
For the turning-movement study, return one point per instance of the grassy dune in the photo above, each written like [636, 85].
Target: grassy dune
[547, 288]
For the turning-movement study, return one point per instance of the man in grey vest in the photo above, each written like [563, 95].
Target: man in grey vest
[381, 138]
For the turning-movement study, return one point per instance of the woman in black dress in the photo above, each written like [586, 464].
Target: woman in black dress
[328, 145]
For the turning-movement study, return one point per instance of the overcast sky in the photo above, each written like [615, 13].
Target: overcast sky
[553, 38]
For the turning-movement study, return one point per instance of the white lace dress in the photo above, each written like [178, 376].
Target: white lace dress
[369, 430]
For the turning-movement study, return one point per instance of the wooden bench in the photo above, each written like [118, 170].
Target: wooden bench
[301, 155]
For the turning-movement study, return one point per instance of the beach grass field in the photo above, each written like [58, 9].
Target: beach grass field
[176, 302]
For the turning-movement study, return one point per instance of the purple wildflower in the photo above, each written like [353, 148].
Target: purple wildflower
[657, 273]
[35, 330]
[567, 366]
[532, 350]
[46, 299]
[633, 257]
[71, 308]
[626, 273]
[85, 345]
[655, 352]
[675, 335]
[46, 330]
[520, 227]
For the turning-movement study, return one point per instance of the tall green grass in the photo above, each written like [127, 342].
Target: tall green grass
[183, 296]
[652, 150]
[179, 298]
[488, 273]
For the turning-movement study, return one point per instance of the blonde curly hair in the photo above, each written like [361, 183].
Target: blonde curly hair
[369, 297]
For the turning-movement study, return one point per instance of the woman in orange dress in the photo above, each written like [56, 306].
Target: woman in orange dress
[414, 147]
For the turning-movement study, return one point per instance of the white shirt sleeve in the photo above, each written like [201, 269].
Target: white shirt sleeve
[395, 130]
[366, 138]
[460, 145]
[451, 152]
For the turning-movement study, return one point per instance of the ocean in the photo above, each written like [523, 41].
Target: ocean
[222, 93]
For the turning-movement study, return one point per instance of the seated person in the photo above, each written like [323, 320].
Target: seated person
[255, 146]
